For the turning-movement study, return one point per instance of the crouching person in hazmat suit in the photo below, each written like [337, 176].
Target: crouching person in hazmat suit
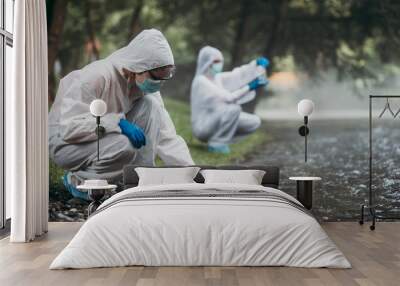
[216, 98]
[137, 125]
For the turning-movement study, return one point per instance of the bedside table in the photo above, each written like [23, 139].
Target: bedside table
[305, 189]
[96, 191]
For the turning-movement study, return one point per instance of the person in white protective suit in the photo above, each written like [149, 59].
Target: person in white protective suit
[137, 125]
[216, 98]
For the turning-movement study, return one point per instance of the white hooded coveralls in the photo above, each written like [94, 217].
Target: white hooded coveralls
[217, 117]
[72, 137]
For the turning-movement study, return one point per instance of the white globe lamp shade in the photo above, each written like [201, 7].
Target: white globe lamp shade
[305, 107]
[98, 107]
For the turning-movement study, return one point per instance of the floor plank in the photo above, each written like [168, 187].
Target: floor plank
[375, 257]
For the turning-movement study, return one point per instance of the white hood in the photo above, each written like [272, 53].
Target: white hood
[148, 50]
[207, 56]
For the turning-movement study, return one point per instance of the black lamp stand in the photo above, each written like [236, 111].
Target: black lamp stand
[304, 131]
[100, 130]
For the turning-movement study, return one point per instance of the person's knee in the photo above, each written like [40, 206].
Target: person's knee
[256, 122]
[63, 158]
[60, 161]
[248, 123]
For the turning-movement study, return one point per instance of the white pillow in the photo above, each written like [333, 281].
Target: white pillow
[166, 176]
[248, 177]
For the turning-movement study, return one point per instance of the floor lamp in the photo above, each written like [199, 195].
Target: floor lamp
[98, 108]
[305, 107]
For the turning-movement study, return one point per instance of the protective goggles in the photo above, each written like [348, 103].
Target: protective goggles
[162, 73]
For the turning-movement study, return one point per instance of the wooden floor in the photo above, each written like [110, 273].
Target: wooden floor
[375, 257]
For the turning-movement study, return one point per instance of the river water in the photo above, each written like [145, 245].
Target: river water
[338, 153]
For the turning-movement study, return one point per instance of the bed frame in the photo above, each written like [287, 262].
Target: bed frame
[270, 179]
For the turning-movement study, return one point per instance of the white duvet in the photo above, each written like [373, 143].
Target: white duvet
[200, 231]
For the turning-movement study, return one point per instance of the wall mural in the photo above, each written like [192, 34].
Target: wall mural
[231, 75]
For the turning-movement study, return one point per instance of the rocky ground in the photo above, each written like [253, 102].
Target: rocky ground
[338, 153]
[63, 207]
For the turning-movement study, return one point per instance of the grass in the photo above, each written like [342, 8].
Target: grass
[57, 189]
[180, 114]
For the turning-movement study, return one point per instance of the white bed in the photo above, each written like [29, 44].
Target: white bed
[139, 227]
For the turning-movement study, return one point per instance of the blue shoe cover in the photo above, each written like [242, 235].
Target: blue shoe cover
[222, 149]
[72, 189]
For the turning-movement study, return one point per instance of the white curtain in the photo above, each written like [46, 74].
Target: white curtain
[27, 148]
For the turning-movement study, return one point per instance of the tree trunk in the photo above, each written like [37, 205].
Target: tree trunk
[280, 9]
[239, 41]
[134, 26]
[55, 29]
[90, 30]
[280, 15]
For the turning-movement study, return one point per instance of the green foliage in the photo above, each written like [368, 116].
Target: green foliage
[55, 175]
[312, 33]
[180, 114]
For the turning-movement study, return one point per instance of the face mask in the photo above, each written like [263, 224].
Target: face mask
[149, 85]
[216, 68]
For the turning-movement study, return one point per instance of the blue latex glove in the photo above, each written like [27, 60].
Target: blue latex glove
[133, 132]
[261, 61]
[258, 82]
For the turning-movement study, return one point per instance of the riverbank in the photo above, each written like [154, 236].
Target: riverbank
[63, 207]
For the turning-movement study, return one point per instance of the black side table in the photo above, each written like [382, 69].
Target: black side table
[96, 194]
[305, 190]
